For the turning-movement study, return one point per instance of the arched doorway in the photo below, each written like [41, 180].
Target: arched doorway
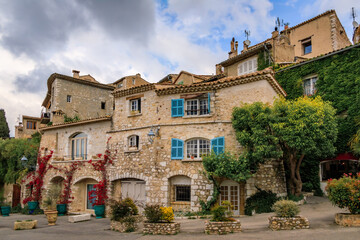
[234, 193]
[80, 191]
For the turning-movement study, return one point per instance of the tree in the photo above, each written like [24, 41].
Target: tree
[355, 140]
[289, 130]
[4, 127]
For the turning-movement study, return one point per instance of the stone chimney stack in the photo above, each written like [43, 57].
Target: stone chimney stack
[218, 69]
[76, 74]
[233, 51]
[275, 33]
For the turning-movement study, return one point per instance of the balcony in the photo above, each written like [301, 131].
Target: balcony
[45, 117]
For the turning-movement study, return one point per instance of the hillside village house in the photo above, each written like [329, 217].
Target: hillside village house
[27, 127]
[161, 130]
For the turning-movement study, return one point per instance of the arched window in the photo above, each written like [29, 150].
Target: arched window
[133, 142]
[79, 146]
[195, 148]
[180, 187]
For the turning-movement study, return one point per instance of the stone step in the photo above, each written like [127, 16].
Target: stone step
[79, 218]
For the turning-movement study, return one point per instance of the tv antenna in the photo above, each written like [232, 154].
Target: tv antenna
[353, 14]
[247, 34]
[278, 23]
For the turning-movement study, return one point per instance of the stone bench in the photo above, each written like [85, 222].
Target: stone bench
[79, 218]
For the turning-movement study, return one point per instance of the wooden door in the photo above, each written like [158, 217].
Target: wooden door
[16, 195]
[134, 190]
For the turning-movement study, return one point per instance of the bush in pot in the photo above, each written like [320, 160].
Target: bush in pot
[287, 216]
[345, 193]
[123, 215]
[160, 220]
[49, 203]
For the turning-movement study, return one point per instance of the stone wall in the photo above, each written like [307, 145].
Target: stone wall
[222, 227]
[288, 223]
[85, 100]
[161, 228]
[347, 219]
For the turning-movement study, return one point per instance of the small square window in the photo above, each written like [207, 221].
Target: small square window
[307, 46]
[102, 105]
[68, 98]
[182, 193]
[133, 81]
[120, 85]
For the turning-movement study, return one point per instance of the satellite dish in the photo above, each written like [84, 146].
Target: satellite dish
[247, 42]
[355, 24]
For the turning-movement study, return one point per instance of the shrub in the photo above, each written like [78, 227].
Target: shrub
[286, 208]
[221, 213]
[294, 198]
[261, 202]
[153, 213]
[16, 209]
[122, 209]
[307, 187]
[167, 214]
[345, 192]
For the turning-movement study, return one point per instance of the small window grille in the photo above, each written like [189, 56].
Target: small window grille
[182, 193]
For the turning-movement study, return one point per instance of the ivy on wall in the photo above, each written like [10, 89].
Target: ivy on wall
[338, 82]
[263, 60]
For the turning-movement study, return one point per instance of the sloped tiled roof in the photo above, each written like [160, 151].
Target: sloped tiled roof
[80, 122]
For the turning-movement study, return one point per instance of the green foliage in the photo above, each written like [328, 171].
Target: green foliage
[11, 151]
[290, 130]
[262, 202]
[307, 187]
[295, 198]
[153, 213]
[206, 206]
[16, 209]
[123, 209]
[227, 165]
[263, 60]
[355, 140]
[221, 213]
[338, 82]
[286, 208]
[4, 127]
[37, 211]
[52, 196]
[345, 192]
[71, 119]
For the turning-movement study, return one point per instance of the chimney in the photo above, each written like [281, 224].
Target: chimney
[286, 27]
[76, 74]
[233, 52]
[218, 69]
[275, 33]
[138, 75]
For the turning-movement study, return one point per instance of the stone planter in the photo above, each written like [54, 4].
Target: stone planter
[288, 223]
[51, 216]
[161, 228]
[347, 219]
[222, 227]
[23, 225]
[123, 226]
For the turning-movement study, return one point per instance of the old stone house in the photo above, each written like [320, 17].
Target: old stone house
[319, 35]
[27, 127]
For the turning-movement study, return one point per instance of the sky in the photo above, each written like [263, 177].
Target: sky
[110, 39]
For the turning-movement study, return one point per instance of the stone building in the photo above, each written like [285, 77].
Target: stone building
[319, 35]
[27, 127]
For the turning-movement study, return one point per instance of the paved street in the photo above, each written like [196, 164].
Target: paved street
[318, 210]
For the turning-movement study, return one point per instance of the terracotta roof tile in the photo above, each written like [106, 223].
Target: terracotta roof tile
[84, 121]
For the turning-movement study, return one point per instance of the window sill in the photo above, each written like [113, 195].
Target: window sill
[135, 115]
[132, 151]
[192, 160]
[198, 116]
[307, 53]
[181, 203]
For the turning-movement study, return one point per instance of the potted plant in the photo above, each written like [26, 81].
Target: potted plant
[345, 193]
[50, 203]
[222, 221]
[124, 215]
[98, 197]
[5, 209]
[160, 221]
[286, 216]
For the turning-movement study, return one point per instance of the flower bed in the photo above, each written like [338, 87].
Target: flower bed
[161, 228]
[288, 223]
[347, 219]
[222, 227]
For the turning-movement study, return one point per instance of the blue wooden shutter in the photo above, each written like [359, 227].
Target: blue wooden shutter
[177, 148]
[218, 145]
[177, 107]
[209, 103]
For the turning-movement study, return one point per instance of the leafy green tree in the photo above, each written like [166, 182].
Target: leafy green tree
[355, 140]
[4, 127]
[289, 130]
[11, 151]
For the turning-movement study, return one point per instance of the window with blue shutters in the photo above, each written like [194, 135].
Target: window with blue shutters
[218, 145]
[177, 148]
[177, 107]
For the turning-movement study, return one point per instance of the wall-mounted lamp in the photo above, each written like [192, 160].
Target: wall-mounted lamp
[25, 164]
[154, 131]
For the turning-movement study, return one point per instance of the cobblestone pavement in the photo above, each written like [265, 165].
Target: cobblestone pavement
[318, 210]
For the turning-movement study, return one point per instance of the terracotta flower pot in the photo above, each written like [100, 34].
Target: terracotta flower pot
[51, 216]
